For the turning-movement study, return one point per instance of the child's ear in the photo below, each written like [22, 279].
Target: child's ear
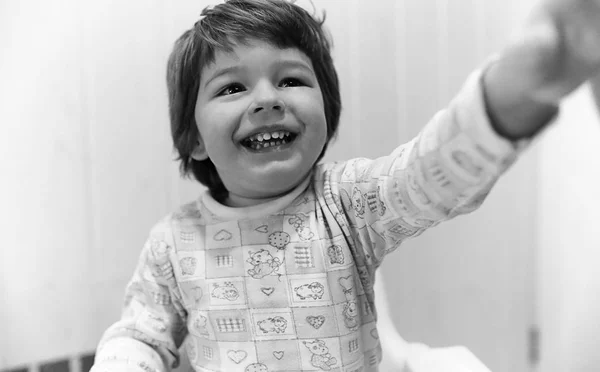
[199, 153]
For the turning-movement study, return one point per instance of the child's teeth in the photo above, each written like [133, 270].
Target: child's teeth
[264, 140]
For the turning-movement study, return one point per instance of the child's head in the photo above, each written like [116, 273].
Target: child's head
[248, 73]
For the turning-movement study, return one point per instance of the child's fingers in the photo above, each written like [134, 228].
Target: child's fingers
[580, 22]
[561, 43]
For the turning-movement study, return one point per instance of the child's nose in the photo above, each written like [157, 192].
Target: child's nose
[267, 106]
[267, 100]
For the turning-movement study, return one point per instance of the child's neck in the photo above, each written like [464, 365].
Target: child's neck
[240, 201]
[235, 200]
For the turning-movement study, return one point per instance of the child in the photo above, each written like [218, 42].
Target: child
[272, 269]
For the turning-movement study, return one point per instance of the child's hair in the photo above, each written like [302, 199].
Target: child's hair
[278, 22]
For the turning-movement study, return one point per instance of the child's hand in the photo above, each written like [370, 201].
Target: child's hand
[556, 52]
[570, 52]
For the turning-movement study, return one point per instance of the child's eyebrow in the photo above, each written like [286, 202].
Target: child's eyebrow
[294, 63]
[221, 72]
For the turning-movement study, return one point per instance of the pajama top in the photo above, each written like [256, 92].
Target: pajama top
[288, 285]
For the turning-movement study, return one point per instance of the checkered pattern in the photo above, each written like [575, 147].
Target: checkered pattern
[229, 325]
[208, 352]
[224, 261]
[161, 298]
[353, 345]
[303, 257]
[187, 237]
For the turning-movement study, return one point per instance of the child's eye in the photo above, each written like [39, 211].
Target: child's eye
[231, 89]
[291, 82]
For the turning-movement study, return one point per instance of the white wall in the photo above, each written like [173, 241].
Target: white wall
[568, 239]
[85, 163]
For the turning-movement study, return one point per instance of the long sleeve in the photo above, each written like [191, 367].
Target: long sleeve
[447, 170]
[152, 326]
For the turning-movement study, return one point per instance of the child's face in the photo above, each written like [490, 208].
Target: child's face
[261, 120]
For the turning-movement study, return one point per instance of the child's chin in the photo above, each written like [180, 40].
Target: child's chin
[282, 177]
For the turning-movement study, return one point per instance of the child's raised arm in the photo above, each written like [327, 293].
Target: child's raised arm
[449, 168]
[557, 51]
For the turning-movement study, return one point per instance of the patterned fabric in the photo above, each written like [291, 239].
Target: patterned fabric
[288, 285]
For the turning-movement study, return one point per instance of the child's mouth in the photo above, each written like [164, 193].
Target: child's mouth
[269, 140]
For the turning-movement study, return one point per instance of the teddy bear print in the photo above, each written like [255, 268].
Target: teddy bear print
[314, 290]
[263, 264]
[276, 324]
[299, 223]
[256, 367]
[188, 265]
[159, 248]
[350, 313]
[227, 291]
[358, 203]
[321, 358]
[158, 259]
[336, 256]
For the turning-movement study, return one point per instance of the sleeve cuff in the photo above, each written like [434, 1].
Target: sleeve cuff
[472, 117]
[128, 355]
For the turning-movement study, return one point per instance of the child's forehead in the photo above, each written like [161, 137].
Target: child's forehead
[249, 51]
[238, 49]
